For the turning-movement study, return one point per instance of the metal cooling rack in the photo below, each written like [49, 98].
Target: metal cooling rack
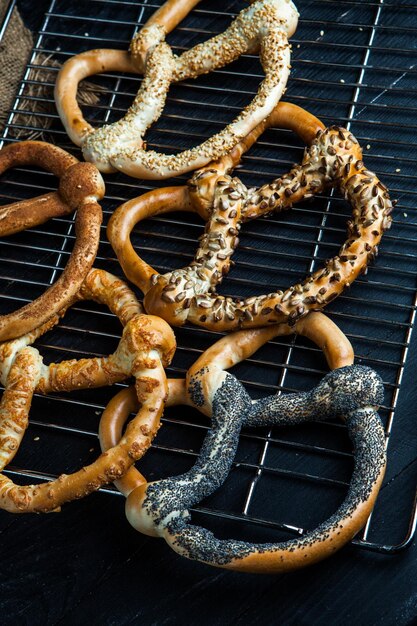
[354, 64]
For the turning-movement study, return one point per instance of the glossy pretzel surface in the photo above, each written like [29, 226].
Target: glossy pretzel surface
[350, 392]
[81, 187]
[263, 27]
[333, 158]
[146, 347]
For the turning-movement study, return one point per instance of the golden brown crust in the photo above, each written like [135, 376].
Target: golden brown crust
[285, 560]
[157, 509]
[121, 224]
[222, 355]
[240, 345]
[146, 347]
[23, 214]
[263, 27]
[37, 153]
[81, 187]
[98, 61]
[72, 73]
[21, 381]
[189, 294]
[167, 17]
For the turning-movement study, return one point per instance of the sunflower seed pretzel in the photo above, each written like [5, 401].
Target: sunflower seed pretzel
[333, 158]
[350, 392]
[264, 26]
[146, 347]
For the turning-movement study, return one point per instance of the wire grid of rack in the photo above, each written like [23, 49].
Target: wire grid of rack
[353, 65]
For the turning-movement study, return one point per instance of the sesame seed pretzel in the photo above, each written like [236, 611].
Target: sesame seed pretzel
[80, 188]
[146, 347]
[264, 26]
[350, 392]
[333, 158]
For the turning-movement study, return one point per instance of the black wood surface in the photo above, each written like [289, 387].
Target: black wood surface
[86, 565]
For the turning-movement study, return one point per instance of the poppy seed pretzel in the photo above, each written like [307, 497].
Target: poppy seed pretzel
[332, 159]
[80, 189]
[264, 26]
[146, 347]
[222, 355]
[162, 508]
[351, 393]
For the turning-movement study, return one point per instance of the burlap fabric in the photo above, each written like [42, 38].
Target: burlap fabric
[15, 48]
[34, 117]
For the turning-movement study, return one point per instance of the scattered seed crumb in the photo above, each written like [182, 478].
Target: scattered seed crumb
[398, 170]
[97, 412]
[58, 48]
[86, 34]
[298, 45]
[321, 33]
[405, 214]
[360, 28]
[36, 438]
[341, 80]
[91, 450]
[368, 146]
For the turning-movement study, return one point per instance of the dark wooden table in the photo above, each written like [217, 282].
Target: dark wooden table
[87, 566]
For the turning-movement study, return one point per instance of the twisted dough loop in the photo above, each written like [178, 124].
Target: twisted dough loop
[221, 356]
[91, 62]
[333, 159]
[351, 392]
[146, 347]
[81, 187]
[265, 27]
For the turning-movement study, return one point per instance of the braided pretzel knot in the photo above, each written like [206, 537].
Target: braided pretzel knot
[146, 347]
[333, 159]
[81, 187]
[265, 27]
[350, 392]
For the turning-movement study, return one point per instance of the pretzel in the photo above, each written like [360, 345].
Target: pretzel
[265, 27]
[351, 392]
[80, 188]
[146, 347]
[333, 159]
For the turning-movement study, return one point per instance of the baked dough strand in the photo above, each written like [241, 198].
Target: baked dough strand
[350, 392]
[81, 187]
[263, 27]
[146, 347]
[333, 158]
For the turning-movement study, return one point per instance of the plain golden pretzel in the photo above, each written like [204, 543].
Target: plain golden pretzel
[81, 187]
[146, 347]
[264, 26]
[333, 159]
